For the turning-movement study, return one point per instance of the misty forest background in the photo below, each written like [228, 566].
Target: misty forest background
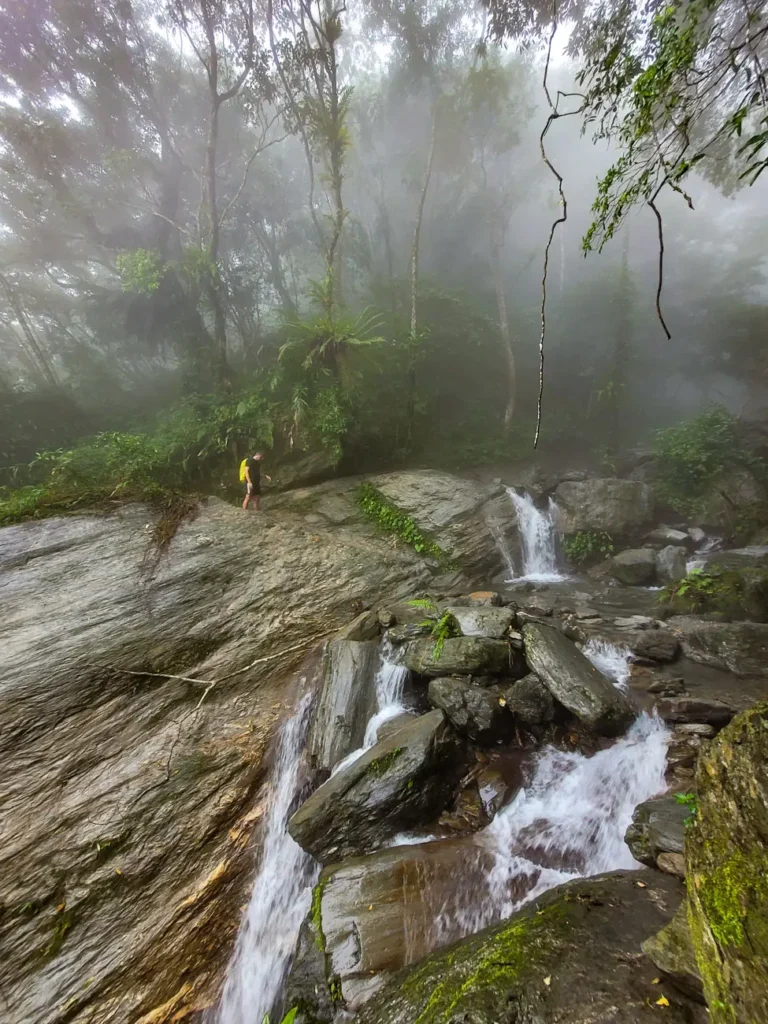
[320, 230]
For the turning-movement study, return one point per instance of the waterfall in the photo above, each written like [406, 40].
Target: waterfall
[538, 536]
[390, 682]
[612, 660]
[568, 823]
[281, 893]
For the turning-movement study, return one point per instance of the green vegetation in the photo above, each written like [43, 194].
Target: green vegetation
[289, 1018]
[391, 519]
[689, 801]
[729, 593]
[316, 914]
[380, 765]
[587, 546]
[60, 927]
[442, 629]
[692, 455]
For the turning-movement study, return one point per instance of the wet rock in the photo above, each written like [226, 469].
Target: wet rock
[658, 826]
[693, 709]
[672, 687]
[468, 813]
[404, 780]
[136, 801]
[475, 711]
[672, 863]
[306, 986]
[671, 564]
[365, 627]
[493, 789]
[347, 700]
[635, 568]
[380, 913]
[636, 622]
[738, 647]
[530, 701]
[386, 618]
[485, 621]
[618, 507]
[409, 631]
[462, 655]
[706, 732]
[573, 956]
[697, 535]
[671, 950]
[391, 725]
[726, 850]
[574, 681]
[537, 605]
[484, 599]
[665, 535]
[649, 645]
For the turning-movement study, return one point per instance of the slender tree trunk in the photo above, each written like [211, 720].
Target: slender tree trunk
[506, 337]
[33, 345]
[336, 155]
[621, 352]
[214, 227]
[413, 342]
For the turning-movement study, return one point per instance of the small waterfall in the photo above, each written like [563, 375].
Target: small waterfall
[538, 536]
[281, 893]
[390, 682]
[697, 561]
[612, 660]
[568, 823]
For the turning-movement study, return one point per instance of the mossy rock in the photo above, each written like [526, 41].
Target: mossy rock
[726, 589]
[571, 956]
[727, 871]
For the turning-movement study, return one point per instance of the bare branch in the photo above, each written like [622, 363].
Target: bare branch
[652, 204]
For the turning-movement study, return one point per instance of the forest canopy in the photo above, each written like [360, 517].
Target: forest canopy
[320, 227]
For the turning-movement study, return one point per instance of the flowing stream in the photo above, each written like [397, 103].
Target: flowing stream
[281, 892]
[612, 660]
[538, 537]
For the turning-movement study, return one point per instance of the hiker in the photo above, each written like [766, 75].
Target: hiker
[253, 480]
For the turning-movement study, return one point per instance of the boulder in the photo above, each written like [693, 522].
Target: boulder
[636, 622]
[573, 680]
[649, 644]
[483, 621]
[409, 631]
[403, 781]
[476, 711]
[664, 535]
[658, 826]
[617, 507]
[738, 647]
[374, 915]
[635, 568]
[671, 564]
[461, 655]
[300, 468]
[671, 950]
[391, 725]
[347, 700]
[572, 956]
[729, 495]
[726, 852]
[694, 709]
[141, 693]
[672, 863]
[735, 587]
[530, 701]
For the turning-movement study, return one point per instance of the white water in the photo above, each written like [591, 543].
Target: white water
[281, 893]
[612, 660]
[568, 823]
[390, 683]
[697, 561]
[538, 536]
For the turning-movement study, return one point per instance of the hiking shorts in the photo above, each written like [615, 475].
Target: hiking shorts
[252, 488]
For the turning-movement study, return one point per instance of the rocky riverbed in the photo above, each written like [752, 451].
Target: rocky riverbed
[141, 697]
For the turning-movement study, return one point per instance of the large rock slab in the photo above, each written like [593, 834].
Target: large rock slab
[347, 700]
[405, 780]
[618, 507]
[479, 712]
[140, 695]
[461, 655]
[727, 852]
[635, 568]
[658, 826]
[738, 647]
[572, 957]
[483, 621]
[574, 681]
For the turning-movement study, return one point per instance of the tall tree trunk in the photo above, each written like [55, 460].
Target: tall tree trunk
[413, 339]
[621, 353]
[506, 337]
[214, 227]
[336, 155]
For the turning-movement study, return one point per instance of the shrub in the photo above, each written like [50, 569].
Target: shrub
[587, 546]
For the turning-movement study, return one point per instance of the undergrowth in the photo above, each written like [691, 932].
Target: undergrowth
[587, 546]
[388, 517]
[442, 629]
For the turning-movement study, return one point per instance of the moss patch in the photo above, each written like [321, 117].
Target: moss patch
[380, 765]
[316, 914]
[728, 593]
[393, 520]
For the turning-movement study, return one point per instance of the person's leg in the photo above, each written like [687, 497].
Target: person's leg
[248, 497]
[257, 501]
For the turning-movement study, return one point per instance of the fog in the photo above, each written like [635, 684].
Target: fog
[123, 294]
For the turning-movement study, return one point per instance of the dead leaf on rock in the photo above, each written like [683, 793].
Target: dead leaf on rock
[663, 1001]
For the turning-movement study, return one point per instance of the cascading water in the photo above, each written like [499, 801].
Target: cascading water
[612, 660]
[390, 683]
[538, 536]
[281, 893]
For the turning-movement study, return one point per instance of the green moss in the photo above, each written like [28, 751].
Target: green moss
[499, 963]
[334, 989]
[382, 764]
[391, 519]
[60, 927]
[316, 914]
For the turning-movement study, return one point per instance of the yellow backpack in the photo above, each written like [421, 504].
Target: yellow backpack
[242, 470]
